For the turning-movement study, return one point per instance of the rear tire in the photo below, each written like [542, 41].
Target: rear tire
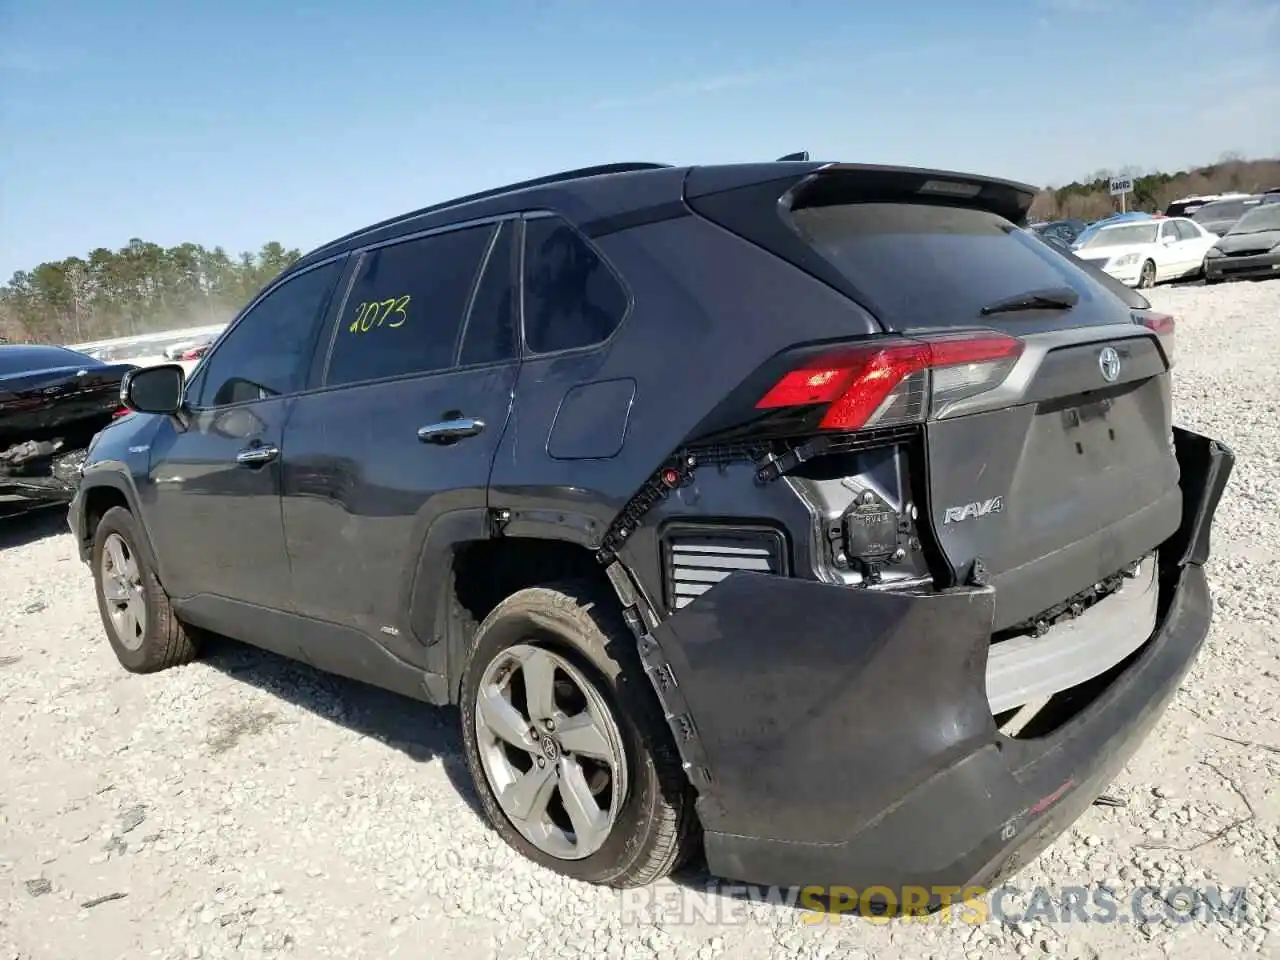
[641, 825]
[139, 622]
[1147, 275]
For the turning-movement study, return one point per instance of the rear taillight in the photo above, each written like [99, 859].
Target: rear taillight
[122, 412]
[1163, 326]
[896, 382]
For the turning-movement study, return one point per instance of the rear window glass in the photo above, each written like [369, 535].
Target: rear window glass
[572, 298]
[930, 265]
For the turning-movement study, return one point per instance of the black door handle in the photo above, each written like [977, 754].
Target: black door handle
[449, 431]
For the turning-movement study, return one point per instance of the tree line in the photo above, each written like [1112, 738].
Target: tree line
[1090, 199]
[140, 288]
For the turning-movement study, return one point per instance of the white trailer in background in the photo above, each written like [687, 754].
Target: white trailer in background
[148, 349]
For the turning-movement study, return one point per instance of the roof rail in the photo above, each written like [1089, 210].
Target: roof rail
[578, 174]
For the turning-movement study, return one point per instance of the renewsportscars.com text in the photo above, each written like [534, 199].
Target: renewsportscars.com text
[731, 903]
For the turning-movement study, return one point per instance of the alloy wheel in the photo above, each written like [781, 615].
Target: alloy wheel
[123, 591]
[551, 751]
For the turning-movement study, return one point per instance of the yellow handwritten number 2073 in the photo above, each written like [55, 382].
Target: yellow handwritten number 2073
[373, 313]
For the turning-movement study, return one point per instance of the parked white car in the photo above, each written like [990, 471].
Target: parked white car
[1142, 253]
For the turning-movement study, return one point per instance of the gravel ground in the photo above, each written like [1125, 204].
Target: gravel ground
[246, 806]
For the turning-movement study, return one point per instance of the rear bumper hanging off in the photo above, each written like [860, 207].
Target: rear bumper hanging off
[850, 737]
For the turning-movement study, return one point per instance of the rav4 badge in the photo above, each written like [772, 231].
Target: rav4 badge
[970, 510]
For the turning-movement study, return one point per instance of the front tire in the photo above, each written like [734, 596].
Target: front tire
[140, 623]
[574, 763]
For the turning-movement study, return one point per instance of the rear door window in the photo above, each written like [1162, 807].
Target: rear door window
[572, 298]
[404, 312]
[929, 265]
[1169, 231]
[491, 334]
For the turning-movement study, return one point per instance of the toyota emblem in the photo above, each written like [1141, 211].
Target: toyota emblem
[1109, 364]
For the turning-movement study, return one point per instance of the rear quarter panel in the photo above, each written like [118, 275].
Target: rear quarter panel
[700, 322]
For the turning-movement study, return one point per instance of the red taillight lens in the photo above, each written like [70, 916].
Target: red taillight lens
[1164, 327]
[888, 384]
[122, 412]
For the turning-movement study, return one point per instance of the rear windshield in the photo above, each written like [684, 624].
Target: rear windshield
[934, 265]
[20, 358]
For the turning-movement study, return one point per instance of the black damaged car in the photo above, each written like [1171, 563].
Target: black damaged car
[52, 401]
[811, 515]
[1249, 250]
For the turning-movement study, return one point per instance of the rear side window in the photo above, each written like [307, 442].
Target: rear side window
[572, 298]
[932, 265]
[1186, 230]
[405, 310]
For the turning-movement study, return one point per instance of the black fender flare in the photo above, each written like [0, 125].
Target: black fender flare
[111, 476]
[571, 526]
[435, 618]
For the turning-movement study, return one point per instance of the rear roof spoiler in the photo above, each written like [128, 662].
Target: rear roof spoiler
[804, 183]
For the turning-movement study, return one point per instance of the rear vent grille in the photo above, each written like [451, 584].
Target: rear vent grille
[696, 559]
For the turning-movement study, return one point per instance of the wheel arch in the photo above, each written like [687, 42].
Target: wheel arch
[471, 562]
[473, 559]
[99, 492]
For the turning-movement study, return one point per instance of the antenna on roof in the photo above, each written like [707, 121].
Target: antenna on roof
[801, 155]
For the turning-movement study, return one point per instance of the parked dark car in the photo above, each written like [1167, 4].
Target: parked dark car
[52, 401]
[1189, 205]
[1219, 216]
[1064, 232]
[811, 513]
[1250, 249]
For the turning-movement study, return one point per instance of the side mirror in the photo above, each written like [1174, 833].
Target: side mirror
[155, 389]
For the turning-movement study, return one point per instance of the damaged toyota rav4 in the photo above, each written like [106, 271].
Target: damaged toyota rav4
[810, 516]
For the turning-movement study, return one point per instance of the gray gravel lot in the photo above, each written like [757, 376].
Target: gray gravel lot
[246, 806]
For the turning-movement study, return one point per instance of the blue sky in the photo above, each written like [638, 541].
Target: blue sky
[233, 123]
